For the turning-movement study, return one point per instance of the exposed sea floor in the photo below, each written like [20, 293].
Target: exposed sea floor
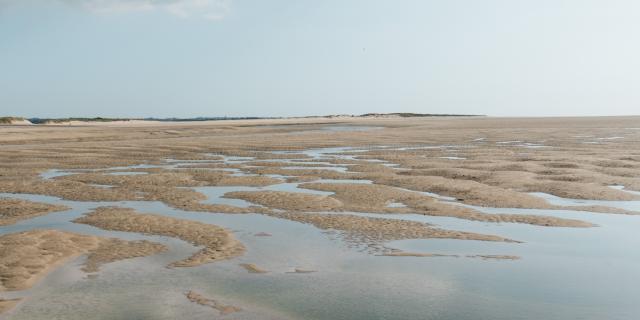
[562, 273]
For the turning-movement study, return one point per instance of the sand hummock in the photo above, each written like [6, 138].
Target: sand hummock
[14, 210]
[252, 268]
[219, 243]
[295, 201]
[116, 249]
[26, 256]
[375, 198]
[367, 230]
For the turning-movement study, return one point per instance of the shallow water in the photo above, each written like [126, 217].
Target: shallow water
[216, 194]
[555, 279]
[563, 273]
[396, 205]
[50, 174]
[628, 205]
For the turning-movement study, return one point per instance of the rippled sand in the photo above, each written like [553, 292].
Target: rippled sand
[14, 210]
[219, 243]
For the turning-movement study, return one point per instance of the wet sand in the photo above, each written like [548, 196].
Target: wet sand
[492, 173]
[252, 268]
[376, 198]
[367, 230]
[14, 210]
[28, 256]
[116, 249]
[214, 304]
[436, 255]
[6, 305]
[292, 201]
[218, 243]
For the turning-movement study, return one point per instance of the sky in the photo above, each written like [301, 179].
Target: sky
[189, 58]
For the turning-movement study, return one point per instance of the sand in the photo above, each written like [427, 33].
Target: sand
[173, 196]
[219, 243]
[367, 230]
[436, 255]
[495, 257]
[116, 249]
[214, 304]
[14, 210]
[252, 268]
[416, 254]
[301, 270]
[294, 201]
[27, 256]
[375, 198]
[400, 253]
[6, 305]
[173, 178]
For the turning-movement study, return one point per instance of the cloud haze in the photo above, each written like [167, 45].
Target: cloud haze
[207, 9]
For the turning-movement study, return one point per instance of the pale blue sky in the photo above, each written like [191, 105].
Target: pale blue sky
[184, 58]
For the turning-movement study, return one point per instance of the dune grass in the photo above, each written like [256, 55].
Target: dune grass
[9, 120]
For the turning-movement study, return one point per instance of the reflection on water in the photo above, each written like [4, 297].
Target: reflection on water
[628, 205]
[564, 273]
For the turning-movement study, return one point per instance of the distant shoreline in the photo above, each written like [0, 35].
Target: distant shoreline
[98, 120]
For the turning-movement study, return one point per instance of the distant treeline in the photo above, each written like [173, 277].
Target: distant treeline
[63, 120]
[100, 119]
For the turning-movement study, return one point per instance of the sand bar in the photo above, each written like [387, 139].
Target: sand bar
[219, 243]
[14, 210]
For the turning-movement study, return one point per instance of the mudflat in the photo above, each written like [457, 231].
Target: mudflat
[339, 181]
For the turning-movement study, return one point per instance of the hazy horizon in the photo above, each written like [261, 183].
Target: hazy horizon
[216, 58]
[251, 117]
